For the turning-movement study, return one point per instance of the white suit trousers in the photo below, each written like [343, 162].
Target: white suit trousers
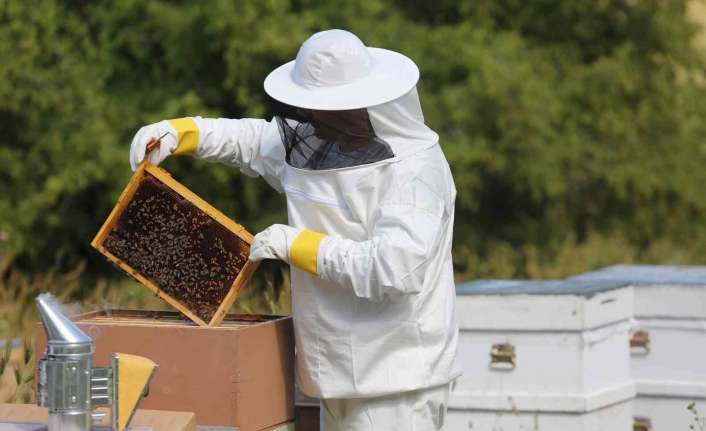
[421, 410]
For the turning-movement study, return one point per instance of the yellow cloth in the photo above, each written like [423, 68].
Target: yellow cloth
[305, 250]
[187, 135]
[134, 374]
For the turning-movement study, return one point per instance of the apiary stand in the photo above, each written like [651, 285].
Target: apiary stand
[550, 355]
[240, 374]
[31, 417]
[668, 352]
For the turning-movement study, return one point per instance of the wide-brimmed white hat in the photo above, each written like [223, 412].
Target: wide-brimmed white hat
[334, 70]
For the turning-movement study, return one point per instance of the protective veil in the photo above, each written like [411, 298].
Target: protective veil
[373, 299]
[345, 139]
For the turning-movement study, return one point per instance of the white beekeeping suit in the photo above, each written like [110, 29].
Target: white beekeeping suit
[369, 234]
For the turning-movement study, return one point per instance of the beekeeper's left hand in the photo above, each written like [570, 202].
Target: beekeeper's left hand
[274, 243]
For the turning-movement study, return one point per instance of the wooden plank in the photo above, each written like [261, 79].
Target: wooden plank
[24, 416]
[237, 229]
[171, 323]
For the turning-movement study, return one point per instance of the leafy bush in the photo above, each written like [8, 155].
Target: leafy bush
[561, 120]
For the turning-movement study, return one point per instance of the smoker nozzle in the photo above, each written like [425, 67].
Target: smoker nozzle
[63, 336]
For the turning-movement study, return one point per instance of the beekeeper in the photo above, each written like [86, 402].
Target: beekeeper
[370, 200]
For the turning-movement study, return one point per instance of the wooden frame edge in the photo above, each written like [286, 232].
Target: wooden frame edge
[119, 207]
[245, 273]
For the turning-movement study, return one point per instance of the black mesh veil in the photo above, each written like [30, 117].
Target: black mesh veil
[319, 140]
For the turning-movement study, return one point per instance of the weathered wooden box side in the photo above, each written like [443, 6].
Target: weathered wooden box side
[163, 177]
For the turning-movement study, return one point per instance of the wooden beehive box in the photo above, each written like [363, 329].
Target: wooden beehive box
[177, 245]
[239, 375]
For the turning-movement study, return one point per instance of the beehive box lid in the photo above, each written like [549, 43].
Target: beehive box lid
[669, 291]
[649, 275]
[167, 318]
[548, 305]
[538, 287]
[177, 245]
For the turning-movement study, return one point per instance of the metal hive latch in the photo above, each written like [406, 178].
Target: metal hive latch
[640, 342]
[502, 356]
[642, 424]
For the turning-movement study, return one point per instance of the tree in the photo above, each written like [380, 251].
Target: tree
[559, 120]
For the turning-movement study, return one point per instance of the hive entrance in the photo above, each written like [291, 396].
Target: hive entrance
[176, 244]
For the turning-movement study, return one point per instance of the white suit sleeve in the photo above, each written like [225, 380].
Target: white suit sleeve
[254, 145]
[394, 261]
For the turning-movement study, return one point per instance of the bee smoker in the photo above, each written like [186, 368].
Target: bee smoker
[70, 387]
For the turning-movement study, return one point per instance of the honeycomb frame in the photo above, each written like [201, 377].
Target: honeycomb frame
[126, 197]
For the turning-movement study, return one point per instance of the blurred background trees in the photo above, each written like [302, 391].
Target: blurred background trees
[576, 130]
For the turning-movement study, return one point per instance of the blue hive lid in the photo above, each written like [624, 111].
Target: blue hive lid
[538, 287]
[649, 275]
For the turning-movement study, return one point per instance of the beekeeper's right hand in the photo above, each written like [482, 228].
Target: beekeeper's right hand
[177, 136]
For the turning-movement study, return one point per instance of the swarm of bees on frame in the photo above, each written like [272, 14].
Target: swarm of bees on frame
[178, 247]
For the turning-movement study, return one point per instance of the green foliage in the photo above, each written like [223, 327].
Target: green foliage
[565, 123]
